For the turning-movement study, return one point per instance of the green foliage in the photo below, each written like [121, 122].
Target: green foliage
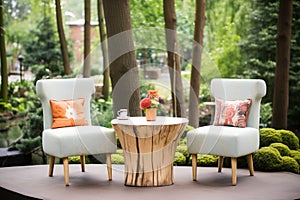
[269, 136]
[44, 49]
[296, 155]
[27, 145]
[187, 129]
[289, 138]
[179, 159]
[117, 159]
[102, 112]
[282, 148]
[290, 164]
[226, 24]
[21, 98]
[74, 159]
[259, 50]
[267, 159]
[265, 114]
[207, 160]
[183, 150]
[24, 102]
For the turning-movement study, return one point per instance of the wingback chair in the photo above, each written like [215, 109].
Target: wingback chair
[225, 138]
[64, 135]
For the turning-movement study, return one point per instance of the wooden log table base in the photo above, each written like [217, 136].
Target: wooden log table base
[149, 149]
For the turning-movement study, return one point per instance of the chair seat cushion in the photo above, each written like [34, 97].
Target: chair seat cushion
[223, 141]
[78, 140]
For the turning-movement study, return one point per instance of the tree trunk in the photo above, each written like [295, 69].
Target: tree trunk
[62, 38]
[174, 59]
[196, 63]
[281, 84]
[87, 38]
[4, 73]
[123, 67]
[103, 39]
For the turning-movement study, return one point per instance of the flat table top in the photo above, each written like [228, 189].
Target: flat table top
[160, 120]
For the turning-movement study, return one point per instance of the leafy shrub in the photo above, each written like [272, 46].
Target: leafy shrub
[102, 112]
[179, 159]
[290, 164]
[296, 155]
[187, 129]
[76, 159]
[27, 145]
[267, 159]
[183, 149]
[183, 141]
[117, 159]
[265, 114]
[269, 136]
[289, 138]
[207, 160]
[282, 148]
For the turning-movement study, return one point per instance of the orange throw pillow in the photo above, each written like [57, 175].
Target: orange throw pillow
[68, 113]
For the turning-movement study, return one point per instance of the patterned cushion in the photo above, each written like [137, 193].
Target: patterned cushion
[68, 113]
[232, 113]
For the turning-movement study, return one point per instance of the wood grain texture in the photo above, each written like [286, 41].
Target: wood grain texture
[149, 152]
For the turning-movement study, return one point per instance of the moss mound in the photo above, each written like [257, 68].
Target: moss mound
[179, 159]
[207, 160]
[283, 149]
[296, 155]
[267, 159]
[183, 149]
[269, 136]
[289, 138]
[290, 164]
[117, 159]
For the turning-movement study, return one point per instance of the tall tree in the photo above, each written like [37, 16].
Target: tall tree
[196, 63]
[123, 67]
[62, 38]
[4, 73]
[103, 39]
[281, 83]
[174, 59]
[87, 39]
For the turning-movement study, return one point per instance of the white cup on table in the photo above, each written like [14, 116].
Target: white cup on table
[122, 113]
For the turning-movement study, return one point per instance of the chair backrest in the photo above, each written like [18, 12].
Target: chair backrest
[64, 89]
[240, 89]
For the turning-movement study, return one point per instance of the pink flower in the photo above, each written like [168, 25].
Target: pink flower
[145, 103]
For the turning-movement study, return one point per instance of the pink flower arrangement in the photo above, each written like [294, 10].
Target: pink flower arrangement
[151, 101]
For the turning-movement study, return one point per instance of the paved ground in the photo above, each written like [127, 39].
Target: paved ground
[33, 181]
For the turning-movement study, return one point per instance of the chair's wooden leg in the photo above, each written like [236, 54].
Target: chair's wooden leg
[233, 169]
[194, 166]
[250, 164]
[220, 163]
[66, 170]
[51, 165]
[109, 167]
[82, 161]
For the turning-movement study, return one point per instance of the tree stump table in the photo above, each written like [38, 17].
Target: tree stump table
[149, 148]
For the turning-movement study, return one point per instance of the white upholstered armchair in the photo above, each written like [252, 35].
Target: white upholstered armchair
[235, 131]
[67, 123]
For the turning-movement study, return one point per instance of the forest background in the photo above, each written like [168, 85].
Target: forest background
[239, 41]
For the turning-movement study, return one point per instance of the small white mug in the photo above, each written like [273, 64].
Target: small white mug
[122, 113]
